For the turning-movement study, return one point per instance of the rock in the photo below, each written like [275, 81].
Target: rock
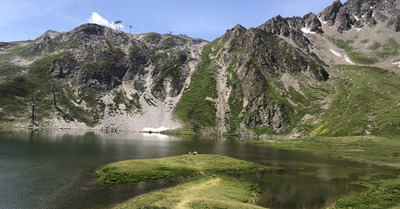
[330, 13]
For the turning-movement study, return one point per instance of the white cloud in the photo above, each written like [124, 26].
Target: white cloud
[96, 18]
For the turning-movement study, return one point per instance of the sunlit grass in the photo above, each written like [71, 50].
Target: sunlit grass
[366, 101]
[206, 185]
[132, 171]
[205, 192]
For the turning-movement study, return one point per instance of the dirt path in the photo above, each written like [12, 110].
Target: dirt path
[191, 193]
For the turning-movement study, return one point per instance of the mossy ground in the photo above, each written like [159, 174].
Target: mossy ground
[206, 186]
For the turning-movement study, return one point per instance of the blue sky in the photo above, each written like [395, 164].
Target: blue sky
[207, 19]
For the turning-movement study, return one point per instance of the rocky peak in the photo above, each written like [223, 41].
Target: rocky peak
[85, 38]
[312, 22]
[48, 35]
[359, 13]
[329, 14]
[277, 25]
[235, 32]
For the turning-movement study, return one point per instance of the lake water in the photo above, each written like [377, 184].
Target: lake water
[42, 170]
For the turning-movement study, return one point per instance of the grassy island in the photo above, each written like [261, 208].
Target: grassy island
[206, 185]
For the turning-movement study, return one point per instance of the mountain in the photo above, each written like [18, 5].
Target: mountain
[332, 73]
[105, 78]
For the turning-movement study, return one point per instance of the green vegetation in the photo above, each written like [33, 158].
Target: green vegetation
[354, 56]
[366, 102]
[381, 194]
[208, 186]
[172, 72]
[131, 105]
[151, 36]
[9, 70]
[364, 41]
[132, 171]
[388, 49]
[383, 191]
[193, 108]
[18, 90]
[206, 192]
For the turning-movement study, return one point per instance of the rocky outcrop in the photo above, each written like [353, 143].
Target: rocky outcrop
[329, 14]
[267, 115]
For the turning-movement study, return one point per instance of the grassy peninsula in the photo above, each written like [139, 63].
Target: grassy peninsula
[206, 184]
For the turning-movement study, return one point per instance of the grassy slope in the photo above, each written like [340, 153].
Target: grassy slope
[18, 90]
[210, 188]
[366, 101]
[193, 108]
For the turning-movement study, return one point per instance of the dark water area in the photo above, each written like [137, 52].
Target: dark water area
[57, 170]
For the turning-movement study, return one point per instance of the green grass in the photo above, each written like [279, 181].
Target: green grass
[206, 185]
[381, 194]
[205, 192]
[172, 72]
[389, 49]
[193, 108]
[132, 171]
[366, 101]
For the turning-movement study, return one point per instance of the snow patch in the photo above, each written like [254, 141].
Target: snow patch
[348, 60]
[159, 129]
[356, 17]
[307, 30]
[336, 53]
[397, 63]
[323, 22]
[340, 55]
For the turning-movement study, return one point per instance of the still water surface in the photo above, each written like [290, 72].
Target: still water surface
[42, 170]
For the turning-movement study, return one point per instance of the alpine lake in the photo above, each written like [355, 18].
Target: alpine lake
[57, 170]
